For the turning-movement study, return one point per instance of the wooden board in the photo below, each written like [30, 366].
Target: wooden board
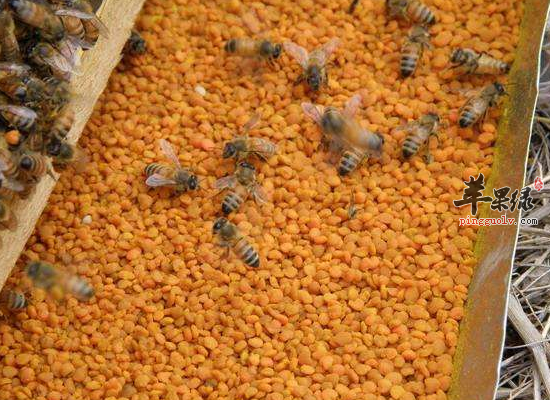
[97, 65]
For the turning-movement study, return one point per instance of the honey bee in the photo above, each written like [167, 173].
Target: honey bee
[344, 133]
[419, 133]
[12, 300]
[135, 45]
[34, 166]
[82, 9]
[40, 16]
[314, 64]
[57, 92]
[7, 217]
[243, 146]
[19, 117]
[230, 238]
[48, 277]
[473, 62]
[179, 178]
[46, 55]
[477, 106]
[241, 184]
[64, 153]
[411, 10]
[413, 48]
[8, 40]
[254, 48]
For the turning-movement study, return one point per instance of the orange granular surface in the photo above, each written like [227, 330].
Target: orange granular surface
[367, 308]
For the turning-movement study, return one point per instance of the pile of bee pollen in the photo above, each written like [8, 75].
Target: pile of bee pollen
[367, 308]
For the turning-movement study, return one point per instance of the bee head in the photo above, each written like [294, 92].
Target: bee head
[277, 50]
[499, 87]
[247, 165]
[229, 150]
[193, 182]
[219, 224]
[53, 148]
[456, 55]
[25, 162]
[33, 269]
[433, 116]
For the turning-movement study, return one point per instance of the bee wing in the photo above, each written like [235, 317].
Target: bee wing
[260, 196]
[157, 180]
[21, 111]
[226, 182]
[408, 127]
[297, 52]
[169, 152]
[327, 49]
[263, 146]
[352, 105]
[252, 122]
[14, 67]
[59, 62]
[10, 184]
[312, 111]
[71, 12]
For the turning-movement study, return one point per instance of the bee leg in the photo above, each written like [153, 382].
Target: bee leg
[428, 158]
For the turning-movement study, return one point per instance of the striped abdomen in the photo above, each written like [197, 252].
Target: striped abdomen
[245, 47]
[412, 143]
[247, 253]
[73, 26]
[79, 288]
[13, 300]
[349, 161]
[155, 168]
[420, 13]
[489, 65]
[35, 165]
[472, 111]
[410, 53]
[234, 198]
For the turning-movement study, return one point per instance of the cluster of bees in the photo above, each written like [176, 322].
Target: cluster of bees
[34, 105]
[40, 45]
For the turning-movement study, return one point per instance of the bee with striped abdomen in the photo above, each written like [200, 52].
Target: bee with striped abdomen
[254, 48]
[477, 106]
[412, 49]
[12, 300]
[83, 10]
[472, 62]
[419, 133]
[34, 166]
[230, 238]
[241, 184]
[48, 277]
[342, 132]
[46, 55]
[243, 146]
[411, 10]
[40, 16]
[313, 64]
[179, 178]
